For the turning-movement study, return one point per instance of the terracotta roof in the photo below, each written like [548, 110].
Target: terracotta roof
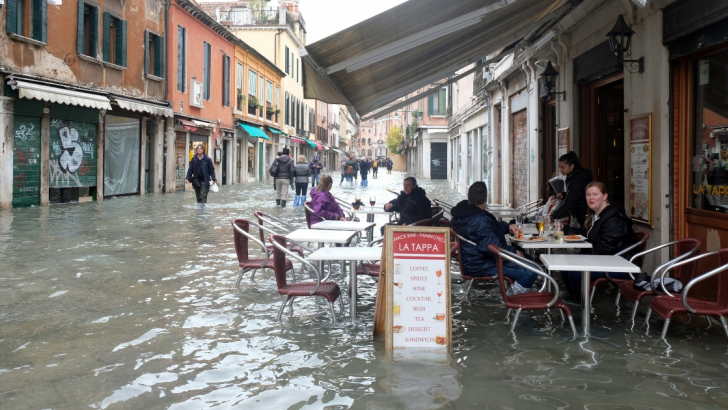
[210, 7]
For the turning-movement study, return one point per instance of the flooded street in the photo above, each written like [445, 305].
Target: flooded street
[131, 304]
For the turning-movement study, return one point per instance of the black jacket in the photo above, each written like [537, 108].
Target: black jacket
[484, 229]
[364, 169]
[286, 167]
[208, 170]
[413, 207]
[575, 200]
[611, 233]
[315, 167]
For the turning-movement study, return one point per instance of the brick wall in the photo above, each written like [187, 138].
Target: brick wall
[520, 159]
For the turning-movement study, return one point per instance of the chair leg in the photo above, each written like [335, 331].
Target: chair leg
[515, 319]
[634, 310]
[725, 325]
[253, 275]
[562, 315]
[240, 277]
[283, 306]
[467, 289]
[573, 326]
[709, 322]
[508, 315]
[616, 302]
[593, 291]
[664, 328]
[333, 315]
[647, 318]
[341, 304]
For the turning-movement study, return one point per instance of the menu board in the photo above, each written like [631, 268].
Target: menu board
[563, 141]
[640, 169]
[418, 288]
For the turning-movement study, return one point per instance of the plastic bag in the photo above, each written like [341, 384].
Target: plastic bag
[214, 187]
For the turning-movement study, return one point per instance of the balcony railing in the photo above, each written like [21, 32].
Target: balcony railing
[250, 17]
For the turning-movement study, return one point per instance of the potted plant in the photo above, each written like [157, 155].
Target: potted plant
[356, 204]
[253, 102]
[241, 100]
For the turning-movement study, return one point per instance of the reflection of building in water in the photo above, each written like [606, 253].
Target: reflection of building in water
[420, 379]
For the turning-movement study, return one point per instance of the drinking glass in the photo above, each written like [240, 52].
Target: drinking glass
[547, 223]
[372, 200]
[558, 231]
[539, 225]
[519, 220]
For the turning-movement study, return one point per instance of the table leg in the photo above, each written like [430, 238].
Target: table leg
[370, 230]
[585, 303]
[352, 285]
[321, 263]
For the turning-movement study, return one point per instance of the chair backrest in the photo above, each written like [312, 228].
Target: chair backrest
[723, 278]
[436, 211]
[309, 213]
[688, 271]
[639, 246]
[455, 249]
[504, 255]
[242, 238]
[422, 222]
[279, 260]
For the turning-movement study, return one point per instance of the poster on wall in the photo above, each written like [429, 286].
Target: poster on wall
[563, 141]
[418, 290]
[640, 169]
[72, 157]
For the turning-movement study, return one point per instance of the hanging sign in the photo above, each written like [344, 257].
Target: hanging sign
[418, 288]
[640, 169]
[563, 141]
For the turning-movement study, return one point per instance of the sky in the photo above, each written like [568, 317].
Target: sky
[326, 17]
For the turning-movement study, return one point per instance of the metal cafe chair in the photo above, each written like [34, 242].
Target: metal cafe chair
[684, 249]
[539, 300]
[668, 304]
[370, 267]
[321, 287]
[243, 237]
[277, 223]
[639, 246]
[464, 272]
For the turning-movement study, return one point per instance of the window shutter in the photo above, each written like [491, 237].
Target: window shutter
[206, 71]
[79, 29]
[430, 104]
[180, 62]
[146, 51]
[442, 109]
[40, 20]
[121, 43]
[107, 35]
[287, 61]
[94, 32]
[11, 17]
[159, 56]
[226, 81]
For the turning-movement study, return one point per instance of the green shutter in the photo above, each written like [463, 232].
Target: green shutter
[94, 32]
[79, 29]
[107, 37]
[11, 16]
[74, 113]
[158, 56]
[40, 20]
[121, 43]
[287, 61]
[442, 109]
[226, 81]
[146, 51]
[430, 104]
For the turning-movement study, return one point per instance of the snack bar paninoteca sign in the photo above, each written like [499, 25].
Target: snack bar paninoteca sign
[418, 294]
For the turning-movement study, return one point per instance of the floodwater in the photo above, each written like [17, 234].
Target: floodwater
[131, 304]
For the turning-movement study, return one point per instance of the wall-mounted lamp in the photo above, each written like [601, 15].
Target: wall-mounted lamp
[547, 85]
[620, 39]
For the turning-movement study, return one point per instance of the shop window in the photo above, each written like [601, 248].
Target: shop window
[710, 145]
[153, 54]
[88, 29]
[27, 18]
[114, 40]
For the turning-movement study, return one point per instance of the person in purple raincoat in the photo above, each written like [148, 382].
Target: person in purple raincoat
[323, 204]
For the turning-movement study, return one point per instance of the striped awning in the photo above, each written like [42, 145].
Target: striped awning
[59, 95]
[137, 106]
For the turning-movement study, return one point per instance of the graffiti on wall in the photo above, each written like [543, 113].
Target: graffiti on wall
[26, 161]
[72, 155]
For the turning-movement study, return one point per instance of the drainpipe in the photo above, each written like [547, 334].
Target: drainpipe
[275, 47]
[167, 41]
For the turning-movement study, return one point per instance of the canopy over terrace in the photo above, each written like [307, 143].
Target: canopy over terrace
[417, 43]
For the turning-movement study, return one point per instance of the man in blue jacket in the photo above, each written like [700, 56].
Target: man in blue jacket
[200, 174]
[471, 221]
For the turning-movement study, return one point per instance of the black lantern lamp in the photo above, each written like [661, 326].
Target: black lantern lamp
[620, 40]
[547, 84]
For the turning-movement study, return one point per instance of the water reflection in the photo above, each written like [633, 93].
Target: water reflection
[131, 303]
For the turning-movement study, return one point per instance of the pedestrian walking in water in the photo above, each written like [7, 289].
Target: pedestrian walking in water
[375, 168]
[301, 172]
[315, 167]
[343, 170]
[364, 170]
[351, 168]
[283, 168]
[390, 164]
[201, 173]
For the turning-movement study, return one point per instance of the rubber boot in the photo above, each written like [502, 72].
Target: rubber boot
[283, 203]
[297, 200]
[278, 202]
[303, 200]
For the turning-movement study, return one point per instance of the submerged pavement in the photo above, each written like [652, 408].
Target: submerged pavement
[131, 304]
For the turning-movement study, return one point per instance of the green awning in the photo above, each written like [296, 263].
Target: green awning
[255, 131]
[311, 143]
[276, 131]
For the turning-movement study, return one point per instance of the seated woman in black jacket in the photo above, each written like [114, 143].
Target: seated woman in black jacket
[608, 229]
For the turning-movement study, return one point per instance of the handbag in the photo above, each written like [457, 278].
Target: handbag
[214, 187]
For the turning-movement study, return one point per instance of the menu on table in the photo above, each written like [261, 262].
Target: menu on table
[419, 288]
[640, 172]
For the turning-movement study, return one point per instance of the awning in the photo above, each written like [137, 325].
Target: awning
[318, 145]
[59, 95]
[275, 130]
[204, 124]
[143, 108]
[298, 140]
[189, 125]
[254, 131]
[327, 148]
[311, 143]
[416, 44]
[340, 151]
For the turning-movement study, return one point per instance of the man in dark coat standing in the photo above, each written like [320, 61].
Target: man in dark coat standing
[283, 177]
[412, 203]
[577, 178]
[471, 221]
[200, 173]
